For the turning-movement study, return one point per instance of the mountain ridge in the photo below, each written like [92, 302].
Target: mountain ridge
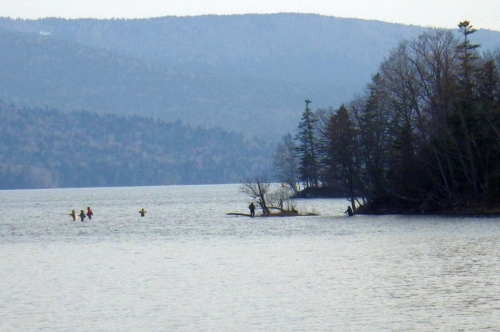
[249, 73]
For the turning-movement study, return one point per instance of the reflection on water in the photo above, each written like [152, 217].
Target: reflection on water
[187, 266]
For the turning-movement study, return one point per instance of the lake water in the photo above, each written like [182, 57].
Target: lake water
[186, 266]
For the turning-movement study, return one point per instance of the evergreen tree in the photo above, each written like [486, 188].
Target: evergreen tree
[307, 150]
[465, 125]
[466, 52]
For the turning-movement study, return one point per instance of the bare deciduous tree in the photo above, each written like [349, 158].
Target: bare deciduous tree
[269, 197]
[280, 199]
[286, 163]
[258, 190]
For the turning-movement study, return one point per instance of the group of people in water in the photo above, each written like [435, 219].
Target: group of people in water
[89, 214]
[142, 212]
[82, 214]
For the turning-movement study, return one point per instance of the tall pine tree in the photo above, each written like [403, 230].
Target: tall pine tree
[307, 148]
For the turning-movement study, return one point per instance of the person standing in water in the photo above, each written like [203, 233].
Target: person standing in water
[89, 212]
[142, 212]
[252, 209]
[349, 211]
[82, 215]
[73, 214]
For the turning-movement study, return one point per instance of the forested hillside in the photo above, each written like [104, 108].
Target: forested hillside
[248, 73]
[42, 148]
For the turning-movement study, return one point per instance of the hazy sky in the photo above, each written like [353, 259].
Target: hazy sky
[436, 13]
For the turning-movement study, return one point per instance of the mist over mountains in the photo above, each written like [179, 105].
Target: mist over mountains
[173, 100]
[247, 73]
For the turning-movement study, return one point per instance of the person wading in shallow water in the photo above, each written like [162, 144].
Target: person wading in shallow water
[82, 215]
[252, 209]
[89, 212]
[349, 211]
[142, 212]
[73, 214]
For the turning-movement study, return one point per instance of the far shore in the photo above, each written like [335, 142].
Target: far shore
[493, 212]
[280, 214]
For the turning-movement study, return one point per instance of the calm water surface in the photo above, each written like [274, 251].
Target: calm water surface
[187, 266]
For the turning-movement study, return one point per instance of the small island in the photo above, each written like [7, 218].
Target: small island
[273, 201]
[273, 214]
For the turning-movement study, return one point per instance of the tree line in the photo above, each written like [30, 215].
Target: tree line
[47, 148]
[424, 137]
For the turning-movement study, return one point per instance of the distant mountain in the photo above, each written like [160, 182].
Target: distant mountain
[249, 73]
[42, 148]
[36, 71]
